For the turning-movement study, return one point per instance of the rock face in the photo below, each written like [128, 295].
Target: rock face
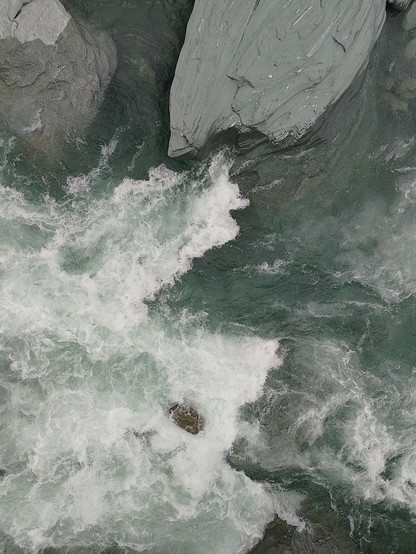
[53, 71]
[187, 418]
[259, 69]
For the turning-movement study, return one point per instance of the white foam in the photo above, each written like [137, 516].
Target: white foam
[82, 183]
[91, 451]
[275, 268]
[333, 392]
[380, 244]
[36, 123]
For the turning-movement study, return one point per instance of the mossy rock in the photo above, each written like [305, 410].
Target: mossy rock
[187, 418]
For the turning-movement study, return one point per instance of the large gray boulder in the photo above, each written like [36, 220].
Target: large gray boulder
[53, 72]
[266, 69]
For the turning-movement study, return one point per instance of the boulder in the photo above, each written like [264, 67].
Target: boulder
[53, 71]
[254, 70]
[187, 418]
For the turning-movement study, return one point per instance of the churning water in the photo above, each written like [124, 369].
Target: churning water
[283, 310]
[88, 371]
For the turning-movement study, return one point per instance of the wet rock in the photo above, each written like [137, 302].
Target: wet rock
[187, 418]
[282, 538]
[53, 72]
[304, 543]
[277, 538]
[251, 72]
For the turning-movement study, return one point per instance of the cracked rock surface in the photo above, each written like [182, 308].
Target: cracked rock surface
[267, 68]
[53, 72]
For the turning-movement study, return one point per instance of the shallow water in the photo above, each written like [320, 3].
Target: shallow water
[283, 309]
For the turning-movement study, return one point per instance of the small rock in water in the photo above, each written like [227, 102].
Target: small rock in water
[187, 418]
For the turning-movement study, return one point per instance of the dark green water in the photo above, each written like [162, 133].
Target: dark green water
[289, 322]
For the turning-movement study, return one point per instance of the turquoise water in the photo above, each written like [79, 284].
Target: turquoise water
[280, 303]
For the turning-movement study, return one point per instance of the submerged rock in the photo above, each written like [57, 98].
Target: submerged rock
[409, 22]
[257, 71]
[410, 50]
[277, 538]
[395, 104]
[282, 538]
[53, 71]
[187, 418]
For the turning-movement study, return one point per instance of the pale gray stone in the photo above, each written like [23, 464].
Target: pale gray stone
[53, 72]
[267, 70]
[43, 19]
[31, 21]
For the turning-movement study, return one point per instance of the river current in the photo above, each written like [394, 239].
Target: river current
[284, 311]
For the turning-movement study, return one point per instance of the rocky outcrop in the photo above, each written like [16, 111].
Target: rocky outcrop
[53, 71]
[256, 70]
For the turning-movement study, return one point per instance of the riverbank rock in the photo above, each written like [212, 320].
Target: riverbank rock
[187, 418]
[53, 72]
[253, 71]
